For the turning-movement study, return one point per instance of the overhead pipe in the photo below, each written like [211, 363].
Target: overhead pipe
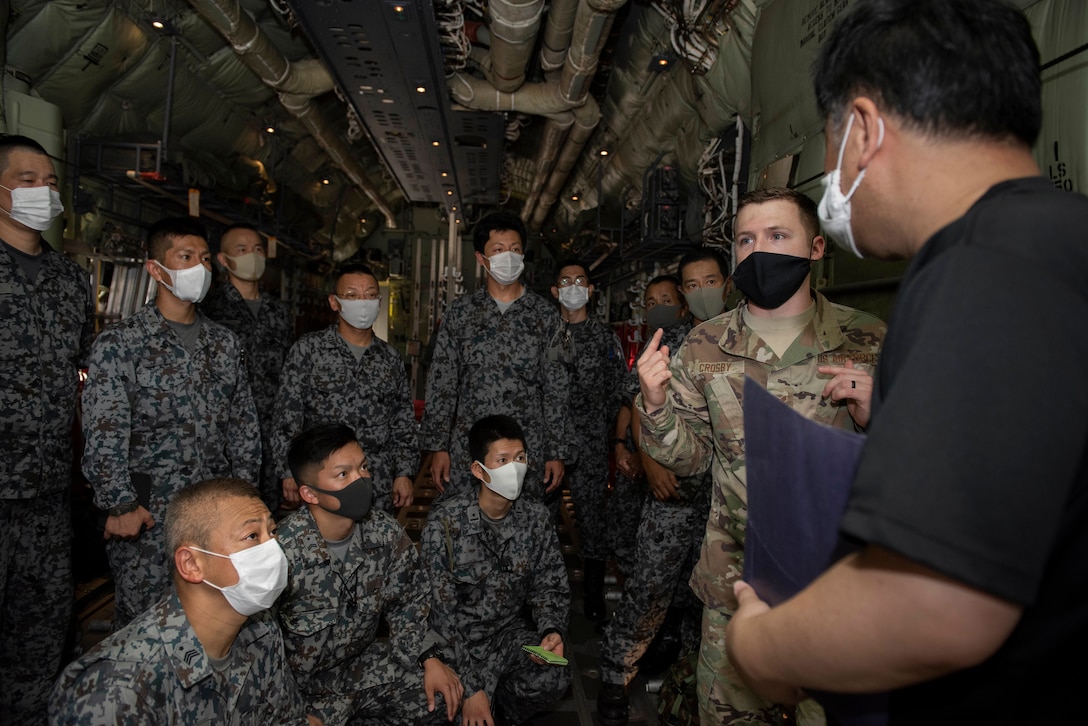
[512, 29]
[557, 32]
[296, 83]
[586, 118]
[541, 99]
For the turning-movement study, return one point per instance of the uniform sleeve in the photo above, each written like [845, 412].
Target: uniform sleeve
[551, 586]
[107, 419]
[404, 429]
[406, 609]
[617, 377]
[558, 432]
[441, 392]
[678, 435]
[289, 410]
[243, 433]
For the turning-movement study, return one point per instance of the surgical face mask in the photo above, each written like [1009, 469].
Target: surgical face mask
[769, 279]
[262, 575]
[190, 284]
[506, 267]
[506, 480]
[662, 316]
[573, 297]
[36, 207]
[705, 302]
[248, 267]
[355, 499]
[359, 314]
[834, 207]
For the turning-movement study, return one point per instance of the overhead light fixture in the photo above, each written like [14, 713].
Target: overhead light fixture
[324, 181]
[453, 208]
[270, 129]
[661, 62]
[574, 197]
[421, 89]
[158, 24]
[444, 175]
[449, 192]
[434, 143]
[603, 152]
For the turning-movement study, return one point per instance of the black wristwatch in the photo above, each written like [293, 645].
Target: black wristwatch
[432, 652]
[123, 508]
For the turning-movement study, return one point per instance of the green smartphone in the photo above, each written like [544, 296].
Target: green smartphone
[545, 655]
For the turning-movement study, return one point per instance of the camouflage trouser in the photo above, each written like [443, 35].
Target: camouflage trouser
[142, 574]
[669, 536]
[374, 689]
[625, 512]
[588, 483]
[723, 697]
[524, 687]
[35, 602]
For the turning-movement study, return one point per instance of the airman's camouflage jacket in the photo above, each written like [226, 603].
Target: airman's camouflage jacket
[701, 424]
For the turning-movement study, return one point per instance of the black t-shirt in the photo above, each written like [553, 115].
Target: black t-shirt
[975, 463]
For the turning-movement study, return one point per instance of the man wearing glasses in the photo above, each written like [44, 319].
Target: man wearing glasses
[596, 368]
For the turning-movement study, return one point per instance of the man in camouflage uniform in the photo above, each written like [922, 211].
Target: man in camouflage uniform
[596, 369]
[193, 658]
[657, 601]
[493, 355]
[814, 355]
[263, 326]
[347, 374]
[166, 403]
[492, 555]
[350, 564]
[45, 331]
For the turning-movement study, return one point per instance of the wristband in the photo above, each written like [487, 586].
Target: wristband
[123, 508]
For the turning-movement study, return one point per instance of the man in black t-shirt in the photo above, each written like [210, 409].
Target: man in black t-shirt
[967, 596]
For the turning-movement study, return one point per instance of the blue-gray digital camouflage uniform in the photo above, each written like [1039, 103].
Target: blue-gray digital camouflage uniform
[330, 613]
[488, 362]
[45, 331]
[153, 410]
[265, 340]
[667, 545]
[155, 671]
[483, 573]
[702, 424]
[597, 370]
[322, 382]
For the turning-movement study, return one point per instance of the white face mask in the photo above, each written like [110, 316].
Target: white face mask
[36, 207]
[507, 480]
[262, 576]
[506, 267]
[573, 297]
[190, 284]
[359, 314]
[248, 267]
[834, 207]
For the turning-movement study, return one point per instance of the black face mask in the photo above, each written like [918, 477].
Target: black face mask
[355, 498]
[768, 279]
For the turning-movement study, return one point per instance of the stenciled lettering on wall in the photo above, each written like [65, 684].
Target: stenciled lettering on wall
[816, 23]
[1059, 173]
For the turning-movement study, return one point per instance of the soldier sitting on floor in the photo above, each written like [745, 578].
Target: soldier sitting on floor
[208, 652]
[491, 554]
[350, 564]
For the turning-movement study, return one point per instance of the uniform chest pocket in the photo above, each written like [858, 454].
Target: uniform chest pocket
[329, 381]
[161, 376]
[309, 623]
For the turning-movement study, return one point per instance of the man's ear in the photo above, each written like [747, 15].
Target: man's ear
[334, 304]
[188, 565]
[154, 270]
[479, 473]
[871, 124]
[481, 260]
[819, 247]
[555, 292]
[306, 494]
[590, 290]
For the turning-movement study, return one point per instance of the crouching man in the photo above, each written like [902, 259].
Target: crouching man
[208, 652]
[352, 564]
[490, 554]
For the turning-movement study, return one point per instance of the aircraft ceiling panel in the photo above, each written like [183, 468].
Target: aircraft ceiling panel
[386, 59]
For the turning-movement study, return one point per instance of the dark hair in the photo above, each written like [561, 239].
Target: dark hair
[12, 142]
[951, 68]
[352, 268]
[490, 429]
[704, 253]
[664, 278]
[162, 234]
[497, 222]
[190, 516]
[809, 216]
[312, 447]
[571, 262]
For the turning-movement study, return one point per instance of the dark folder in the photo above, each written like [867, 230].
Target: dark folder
[799, 474]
